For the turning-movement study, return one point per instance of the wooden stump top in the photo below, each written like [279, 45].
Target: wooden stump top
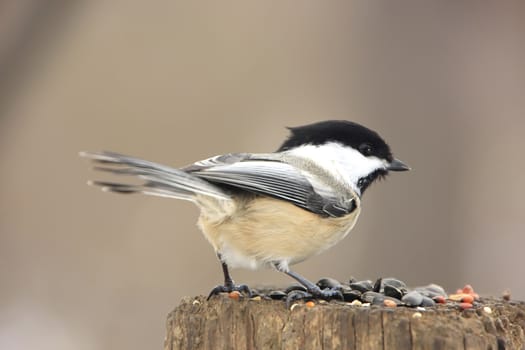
[224, 323]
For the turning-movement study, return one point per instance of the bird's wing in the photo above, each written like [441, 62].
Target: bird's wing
[267, 175]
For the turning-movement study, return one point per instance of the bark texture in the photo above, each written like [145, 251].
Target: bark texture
[224, 323]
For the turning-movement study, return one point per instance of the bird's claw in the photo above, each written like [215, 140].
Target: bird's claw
[242, 288]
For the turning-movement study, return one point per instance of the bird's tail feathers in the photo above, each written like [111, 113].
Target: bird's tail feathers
[158, 180]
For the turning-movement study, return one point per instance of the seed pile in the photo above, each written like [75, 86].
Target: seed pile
[386, 292]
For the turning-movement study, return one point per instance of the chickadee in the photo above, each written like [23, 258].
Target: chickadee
[270, 209]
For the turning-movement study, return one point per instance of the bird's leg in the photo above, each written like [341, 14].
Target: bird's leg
[228, 281]
[229, 285]
[328, 293]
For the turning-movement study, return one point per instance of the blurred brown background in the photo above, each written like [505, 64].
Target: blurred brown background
[178, 81]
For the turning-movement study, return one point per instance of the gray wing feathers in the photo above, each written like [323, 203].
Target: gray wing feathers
[264, 174]
[159, 179]
[271, 178]
[223, 159]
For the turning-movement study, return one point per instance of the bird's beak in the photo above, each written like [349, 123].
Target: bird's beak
[397, 165]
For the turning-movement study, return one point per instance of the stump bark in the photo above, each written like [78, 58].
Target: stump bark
[224, 323]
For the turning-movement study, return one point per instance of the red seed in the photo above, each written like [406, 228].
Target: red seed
[468, 289]
[465, 306]
[389, 303]
[440, 299]
[310, 304]
[467, 298]
[235, 295]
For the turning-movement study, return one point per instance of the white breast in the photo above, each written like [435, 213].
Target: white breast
[269, 231]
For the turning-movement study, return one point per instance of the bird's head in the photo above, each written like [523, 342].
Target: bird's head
[361, 152]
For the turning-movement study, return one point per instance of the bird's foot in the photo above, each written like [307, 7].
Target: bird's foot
[228, 288]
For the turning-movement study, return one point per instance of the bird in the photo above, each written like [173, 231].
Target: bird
[272, 209]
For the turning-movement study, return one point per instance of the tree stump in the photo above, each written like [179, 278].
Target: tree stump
[224, 323]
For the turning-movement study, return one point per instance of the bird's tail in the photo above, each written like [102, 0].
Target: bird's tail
[157, 179]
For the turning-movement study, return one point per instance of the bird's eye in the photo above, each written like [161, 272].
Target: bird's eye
[365, 149]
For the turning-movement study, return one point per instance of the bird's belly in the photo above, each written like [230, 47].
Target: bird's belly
[268, 231]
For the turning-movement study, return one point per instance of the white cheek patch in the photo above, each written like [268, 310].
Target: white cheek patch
[357, 166]
[345, 163]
